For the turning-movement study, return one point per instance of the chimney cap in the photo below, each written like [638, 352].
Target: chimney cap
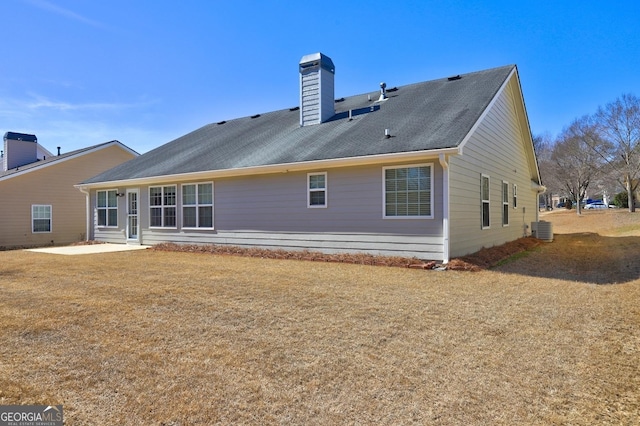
[14, 136]
[317, 60]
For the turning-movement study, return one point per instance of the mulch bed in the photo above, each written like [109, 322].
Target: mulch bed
[492, 256]
[484, 259]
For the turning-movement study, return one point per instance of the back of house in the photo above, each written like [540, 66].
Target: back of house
[396, 171]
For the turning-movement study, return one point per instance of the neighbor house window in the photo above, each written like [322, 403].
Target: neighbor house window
[197, 205]
[484, 191]
[505, 203]
[162, 206]
[515, 196]
[107, 207]
[317, 194]
[40, 218]
[408, 191]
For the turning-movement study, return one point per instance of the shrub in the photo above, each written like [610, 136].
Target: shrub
[621, 200]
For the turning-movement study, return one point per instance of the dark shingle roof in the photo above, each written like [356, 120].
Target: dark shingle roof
[424, 116]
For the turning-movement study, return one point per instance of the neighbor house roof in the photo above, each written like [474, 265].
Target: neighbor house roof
[426, 116]
[55, 159]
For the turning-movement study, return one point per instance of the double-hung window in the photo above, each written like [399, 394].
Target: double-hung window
[317, 190]
[40, 218]
[197, 205]
[515, 196]
[484, 193]
[408, 191]
[107, 207]
[162, 206]
[505, 203]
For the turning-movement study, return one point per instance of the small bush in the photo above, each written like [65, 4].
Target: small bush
[621, 200]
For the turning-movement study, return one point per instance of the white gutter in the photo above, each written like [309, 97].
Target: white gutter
[277, 168]
[445, 207]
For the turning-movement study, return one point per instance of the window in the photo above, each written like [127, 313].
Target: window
[107, 206]
[40, 218]
[197, 205]
[317, 194]
[162, 206]
[484, 190]
[505, 203]
[515, 196]
[408, 191]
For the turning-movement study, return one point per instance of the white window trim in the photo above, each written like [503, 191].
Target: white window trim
[505, 202]
[162, 206]
[50, 219]
[515, 196]
[182, 206]
[107, 208]
[310, 190]
[483, 201]
[384, 191]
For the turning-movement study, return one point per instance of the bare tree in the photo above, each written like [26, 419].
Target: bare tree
[576, 163]
[619, 125]
[543, 146]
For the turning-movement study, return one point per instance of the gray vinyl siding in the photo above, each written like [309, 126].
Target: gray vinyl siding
[497, 148]
[271, 211]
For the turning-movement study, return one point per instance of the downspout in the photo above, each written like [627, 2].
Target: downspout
[445, 208]
[88, 211]
[540, 189]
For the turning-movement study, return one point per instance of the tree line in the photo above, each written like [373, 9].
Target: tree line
[600, 151]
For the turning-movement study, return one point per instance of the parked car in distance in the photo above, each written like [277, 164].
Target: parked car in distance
[560, 205]
[595, 205]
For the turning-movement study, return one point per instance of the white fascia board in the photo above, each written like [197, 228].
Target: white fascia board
[487, 109]
[512, 74]
[278, 168]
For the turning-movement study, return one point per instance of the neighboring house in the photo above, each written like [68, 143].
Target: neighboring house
[22, 150]
[429, 170]
[38, 202]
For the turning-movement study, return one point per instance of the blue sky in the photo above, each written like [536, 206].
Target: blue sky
[82, 72]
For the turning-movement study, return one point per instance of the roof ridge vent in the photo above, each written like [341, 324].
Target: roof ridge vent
[455, 77]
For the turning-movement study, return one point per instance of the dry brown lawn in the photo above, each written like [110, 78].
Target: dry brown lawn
[161, 338]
